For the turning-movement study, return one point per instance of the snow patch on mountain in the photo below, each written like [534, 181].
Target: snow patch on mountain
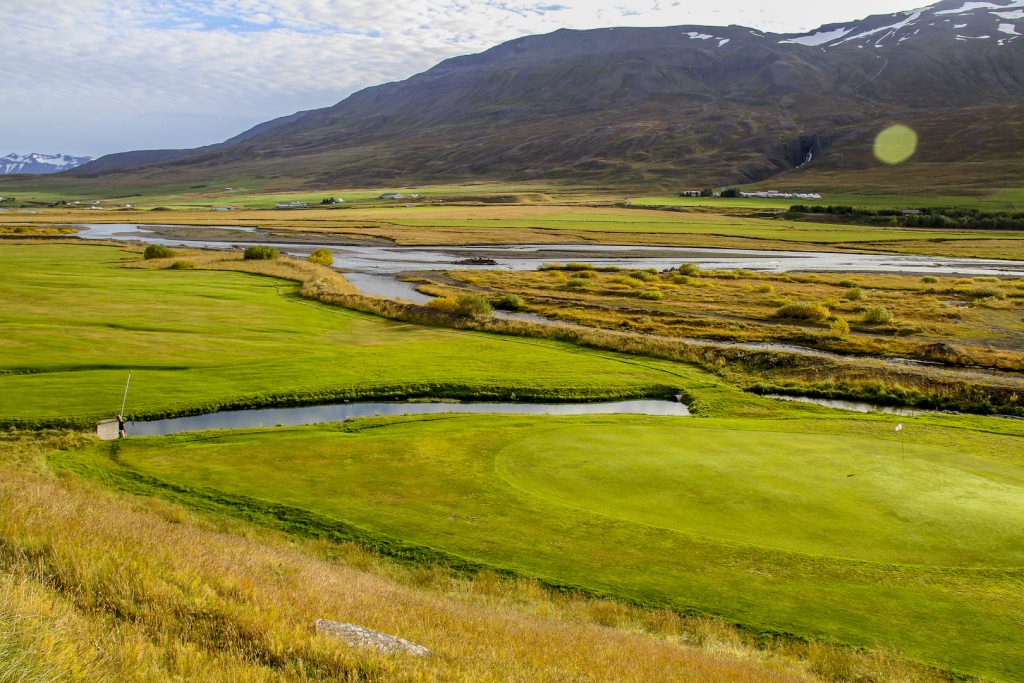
[973, 5]
[40, 163]
[820, 37]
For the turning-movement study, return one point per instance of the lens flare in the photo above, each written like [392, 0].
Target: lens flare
[895, 144]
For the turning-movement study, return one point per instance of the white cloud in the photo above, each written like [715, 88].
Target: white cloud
[94, 76]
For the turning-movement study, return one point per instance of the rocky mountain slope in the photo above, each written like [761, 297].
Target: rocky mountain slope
[693, 104]
[39, 163]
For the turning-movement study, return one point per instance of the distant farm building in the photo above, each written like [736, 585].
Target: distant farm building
[775, 194]
[390, 195]
[292, 205]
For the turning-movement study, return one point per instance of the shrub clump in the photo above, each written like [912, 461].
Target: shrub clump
[577, 283]
[764, 289]
[854, 294]
[840, 328]
[182, 265]
[803, 311]
[929, 279]
[261, 253]
[471, 305]
[627, 280]
[690, 269]
[651, 295]
[324, 257]
[510, 302]
[985, 292]
[877, 315]
[157, 251]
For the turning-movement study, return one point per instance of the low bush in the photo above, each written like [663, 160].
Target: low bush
[691, 269]
[764, 289]
[986, 292]
[642, 275]
[854, 294]
[261, 253]
[830, 302]
[579, 266]
[651, 295]
[877, 315]
[509, 302]
[588, 274]
[157, 251]
[324, 257]
[577, 283]
[802, 311]
[471, 305]
[627, 280]
[681, 280]
[182, 265]
[929, 279]
[840, 328]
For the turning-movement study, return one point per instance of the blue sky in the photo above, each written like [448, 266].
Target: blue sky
[99, 76]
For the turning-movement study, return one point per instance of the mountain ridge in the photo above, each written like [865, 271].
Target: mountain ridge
[694, 103]
[36, 163]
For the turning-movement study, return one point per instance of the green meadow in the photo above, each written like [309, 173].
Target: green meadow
[789, 520]
[75, 322]
[809, 525]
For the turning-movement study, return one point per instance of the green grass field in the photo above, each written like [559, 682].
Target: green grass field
[75, 323]
[781, 517]
[819, 527]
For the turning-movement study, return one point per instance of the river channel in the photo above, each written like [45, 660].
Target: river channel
[375, 269]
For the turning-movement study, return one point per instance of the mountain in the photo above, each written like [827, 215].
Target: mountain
[40, 163]
[693, 104]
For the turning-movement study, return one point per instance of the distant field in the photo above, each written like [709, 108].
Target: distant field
[75, 323]
[572, 223]
[826, 527]
[998, 200]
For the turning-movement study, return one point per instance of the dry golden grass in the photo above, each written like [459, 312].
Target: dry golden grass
[749, 307]
[322, 277]
[100, 586]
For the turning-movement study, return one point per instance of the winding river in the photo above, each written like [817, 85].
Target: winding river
[374, 269]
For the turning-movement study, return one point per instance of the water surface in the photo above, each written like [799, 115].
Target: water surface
[339, 412]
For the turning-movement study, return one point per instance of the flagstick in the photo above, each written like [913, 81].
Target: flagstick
[124, 399]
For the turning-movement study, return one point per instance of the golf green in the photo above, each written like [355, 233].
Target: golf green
[821, 494]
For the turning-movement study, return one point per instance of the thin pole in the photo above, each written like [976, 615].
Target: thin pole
[124, 400]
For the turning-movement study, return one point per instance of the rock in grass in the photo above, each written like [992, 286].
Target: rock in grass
[359, 636]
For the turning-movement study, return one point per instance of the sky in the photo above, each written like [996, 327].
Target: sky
[91, 77]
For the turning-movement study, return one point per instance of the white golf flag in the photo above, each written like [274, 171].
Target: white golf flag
[899, 426]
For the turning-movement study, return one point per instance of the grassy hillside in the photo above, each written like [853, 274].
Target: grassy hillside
[816, 526]
[96, 586]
